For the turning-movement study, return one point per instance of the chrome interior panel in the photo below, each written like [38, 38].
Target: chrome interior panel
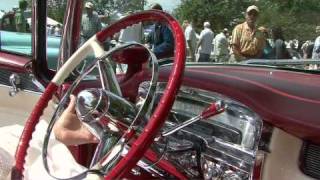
[220, 147]
[26, 80]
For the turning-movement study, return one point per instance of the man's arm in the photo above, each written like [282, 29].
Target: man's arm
[235, 43]
[188, 33]
[236, 51]
[199, 42]
[190, 46]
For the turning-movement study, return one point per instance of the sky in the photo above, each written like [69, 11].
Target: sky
[167, 5]
[8, 4]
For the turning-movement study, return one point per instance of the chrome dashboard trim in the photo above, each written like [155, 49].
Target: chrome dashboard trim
[238, 157]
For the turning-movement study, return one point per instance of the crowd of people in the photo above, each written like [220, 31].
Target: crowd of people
[54, 30]
[15, 20]
[247, 41]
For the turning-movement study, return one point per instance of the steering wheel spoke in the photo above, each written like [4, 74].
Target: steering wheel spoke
[107, 77]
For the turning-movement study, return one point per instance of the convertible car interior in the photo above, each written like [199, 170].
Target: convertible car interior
[154, 120]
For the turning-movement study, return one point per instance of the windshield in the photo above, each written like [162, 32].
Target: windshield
[16, 27]
[280, 33]
[269, 32]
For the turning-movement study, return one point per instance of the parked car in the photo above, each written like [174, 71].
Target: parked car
[20, 43]
[174, 121]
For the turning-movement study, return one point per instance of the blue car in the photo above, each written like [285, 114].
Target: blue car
[17, 42]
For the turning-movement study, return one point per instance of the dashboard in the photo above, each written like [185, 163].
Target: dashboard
[221, 147]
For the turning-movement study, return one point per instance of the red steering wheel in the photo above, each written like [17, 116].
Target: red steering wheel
[143, 142]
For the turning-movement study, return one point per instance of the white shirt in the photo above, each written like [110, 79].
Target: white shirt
[221, 45]
[206, 38]
[132, 33]
[190, 35]
[60, 159]
[315, 54]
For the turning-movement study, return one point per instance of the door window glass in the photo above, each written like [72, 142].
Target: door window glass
[15, 25]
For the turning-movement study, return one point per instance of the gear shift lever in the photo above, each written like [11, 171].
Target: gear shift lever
[214, 109]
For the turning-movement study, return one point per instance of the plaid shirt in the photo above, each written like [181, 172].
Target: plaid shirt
[90, 25]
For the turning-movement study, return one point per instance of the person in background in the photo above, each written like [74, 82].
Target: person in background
[58, 30]
[8, 22]
[53, 27]
[293, 53]
[20, 20]
[221, 46]
[316, 48]
[132, 33]
[191, 39]
[279, 49]
[161, 38]
[307, 48]
[204, 45]
[90, 22]
[267, 50]
[247, 41]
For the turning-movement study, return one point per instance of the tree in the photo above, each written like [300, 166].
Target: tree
[298, 18]
[58, 7]
[220, 13]
[121, 6]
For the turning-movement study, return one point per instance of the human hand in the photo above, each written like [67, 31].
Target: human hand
[70, 130]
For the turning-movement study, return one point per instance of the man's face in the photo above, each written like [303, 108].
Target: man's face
[185, 24]
[251, 16]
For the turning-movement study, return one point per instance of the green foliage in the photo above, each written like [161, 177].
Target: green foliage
[298, 18]
[111, 6]
[220, 13]
[56, 9]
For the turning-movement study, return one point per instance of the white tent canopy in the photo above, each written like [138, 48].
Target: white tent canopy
[49, 21]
